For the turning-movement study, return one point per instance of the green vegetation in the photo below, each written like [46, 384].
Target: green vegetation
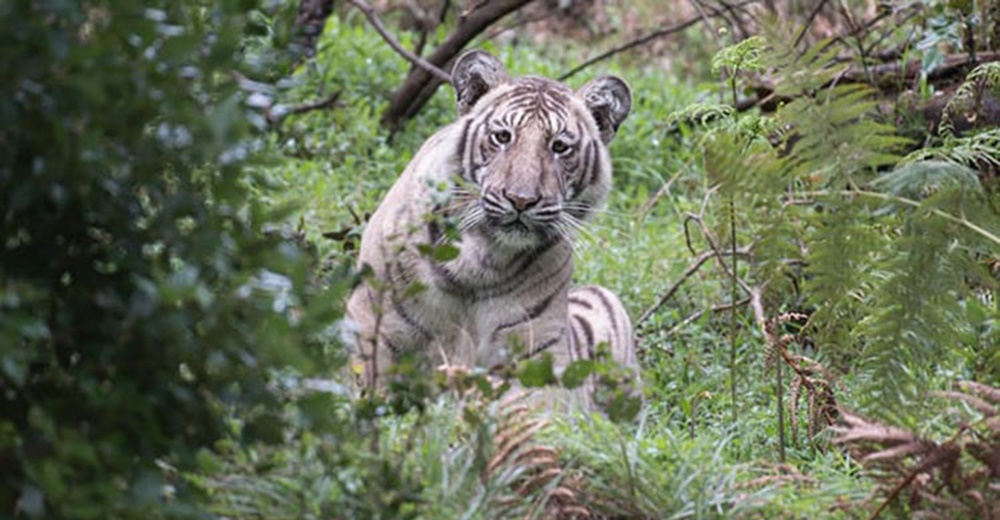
[178, 240]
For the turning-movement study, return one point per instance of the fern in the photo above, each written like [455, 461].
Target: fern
[982, 148]
[702, 113]
[743, 56]
[969, 95]
[888, 243]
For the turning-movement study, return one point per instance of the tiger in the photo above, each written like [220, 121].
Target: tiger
[469, 256]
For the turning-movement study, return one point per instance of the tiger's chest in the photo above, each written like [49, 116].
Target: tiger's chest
[481, 311]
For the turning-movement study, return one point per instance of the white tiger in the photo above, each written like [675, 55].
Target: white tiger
[506, 185]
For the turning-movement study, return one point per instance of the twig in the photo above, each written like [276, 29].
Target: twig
[698, 314]
[659, 33]
[855, 30]
[809, 22]
[691, 269]
[276, 116]
[660, 193]
[497, 31]
[737, 22]
[767, 330]
[932, 460]
[708, 24]
[373, 18]
[420, 84]
[714, 244]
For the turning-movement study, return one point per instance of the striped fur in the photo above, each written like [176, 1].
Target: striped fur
[524, 165]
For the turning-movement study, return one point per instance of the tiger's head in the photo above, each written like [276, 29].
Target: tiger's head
[535, 150]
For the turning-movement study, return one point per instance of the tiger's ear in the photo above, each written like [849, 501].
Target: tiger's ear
[609, 100]
[474, 74]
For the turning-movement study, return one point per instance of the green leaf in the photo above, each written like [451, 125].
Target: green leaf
[577, 372]
[536, 372]
[441, 253]
[624, 406]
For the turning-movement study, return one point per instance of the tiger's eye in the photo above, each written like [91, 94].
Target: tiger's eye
[559, 146]
[501, 136]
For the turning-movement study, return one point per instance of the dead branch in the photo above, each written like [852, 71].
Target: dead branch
[714, 244]
[691, 269]
[809, 21]
[276, 115]
[698, 314]
[373, 18]
[642, 40]
[420, 85]
[708, 24]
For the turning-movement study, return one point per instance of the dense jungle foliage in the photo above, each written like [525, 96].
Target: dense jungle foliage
[805, 228]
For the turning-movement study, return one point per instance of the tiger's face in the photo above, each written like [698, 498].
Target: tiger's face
[535, 151]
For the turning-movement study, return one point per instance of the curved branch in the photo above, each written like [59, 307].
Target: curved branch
[373, 18]
[420, 85]
[678, 27]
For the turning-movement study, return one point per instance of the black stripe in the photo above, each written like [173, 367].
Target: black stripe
[547, 345]
[592, 163]
[534, 311]
[517, 281]
[575, 338]
[448, 282]
[434, 233]
[478, 136]
[582, 303]
[608, 307]
[466, 174]
[585, 166]
[588, 332]
[393, 348]
[398, 307]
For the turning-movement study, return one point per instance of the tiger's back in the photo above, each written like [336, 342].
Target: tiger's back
[471, 251]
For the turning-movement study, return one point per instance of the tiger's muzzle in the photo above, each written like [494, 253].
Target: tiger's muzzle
[521, 215]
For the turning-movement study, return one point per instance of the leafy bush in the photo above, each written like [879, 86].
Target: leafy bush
[167, 220]
[140, 297]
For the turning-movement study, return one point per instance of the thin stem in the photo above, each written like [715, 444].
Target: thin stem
[733, 294]
[961, 221]
[778, 389]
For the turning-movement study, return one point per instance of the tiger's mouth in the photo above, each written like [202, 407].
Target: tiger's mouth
[521, 229]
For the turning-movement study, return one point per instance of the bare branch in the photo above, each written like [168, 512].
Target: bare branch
[809, 22]
[275, 115]
[698, 314]
[373, 18]
[719, 254]
[691, 269]
[642, 40]
[420, 84]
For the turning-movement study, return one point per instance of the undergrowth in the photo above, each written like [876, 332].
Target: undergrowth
[861, 283]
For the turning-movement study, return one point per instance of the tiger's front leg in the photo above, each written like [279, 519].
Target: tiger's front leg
[528, 336]
[597, 316]
[597, 319]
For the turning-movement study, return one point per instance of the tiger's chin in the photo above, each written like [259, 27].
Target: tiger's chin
[518, 236]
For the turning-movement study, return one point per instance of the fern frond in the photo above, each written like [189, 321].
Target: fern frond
[966, 97]
[701, 113]
[744, 56]
[973, 151]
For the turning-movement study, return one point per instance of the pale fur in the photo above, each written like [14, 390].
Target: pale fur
[443, 325]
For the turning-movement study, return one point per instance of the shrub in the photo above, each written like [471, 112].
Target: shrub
[140, 298]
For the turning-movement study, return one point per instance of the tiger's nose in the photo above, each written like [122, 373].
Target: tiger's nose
[521, 200]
